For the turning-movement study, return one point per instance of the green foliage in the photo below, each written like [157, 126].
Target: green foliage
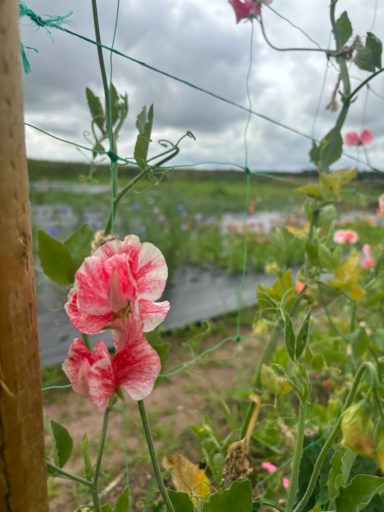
[96, 110]
[86, 458]
[368, 56]
[60, 261]
[344, 28]
[237, 497]
[55, 259]
[328, 150]
[62, 445]
[122, 502]
[341, 464]
[358, 493]
[181, 501]
[144, 126]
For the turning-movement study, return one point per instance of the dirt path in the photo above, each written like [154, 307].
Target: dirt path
[173, 407]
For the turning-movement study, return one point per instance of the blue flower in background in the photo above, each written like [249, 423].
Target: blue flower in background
[135, 206]
[52, 230]
[181, 208]
[64, 210]
[199, 216]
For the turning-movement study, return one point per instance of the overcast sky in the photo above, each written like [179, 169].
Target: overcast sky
[199, 41]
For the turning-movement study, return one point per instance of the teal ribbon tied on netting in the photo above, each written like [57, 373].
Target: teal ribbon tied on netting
[47, 23]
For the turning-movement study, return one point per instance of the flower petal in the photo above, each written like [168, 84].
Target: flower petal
[136, 368]
[151, 272]
[101, 380]
[89, 324]
[76, 366]
[152, 313]
[92, 283]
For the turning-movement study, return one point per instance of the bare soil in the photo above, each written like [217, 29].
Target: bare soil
[175, 405]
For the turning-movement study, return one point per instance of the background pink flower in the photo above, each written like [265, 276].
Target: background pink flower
[268, 466]
[368, 260]
[354, 139]
[96, 375]
[345, 236]
[247, 8]
[120, 279]
[286, 483]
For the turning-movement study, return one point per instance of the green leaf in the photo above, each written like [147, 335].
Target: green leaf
[144, 126]
[96, 109]
[318, 362]
[290, 337]
[314, 153]
[122, 502]
[358, 493]
[62, 443]
[312, 190]
[79, 244]
[180, 501]
[86, 457]
[237, 497]
[359, 342]
[302, 336]
[341, 464]
[55, 259]
[368, 57]
[344, 28]
[106, 508]
[375, 46]
[330, 149]
[98, 149]
[162, 349]
[115, 104]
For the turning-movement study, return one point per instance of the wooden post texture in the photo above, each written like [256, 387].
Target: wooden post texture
[22, 469]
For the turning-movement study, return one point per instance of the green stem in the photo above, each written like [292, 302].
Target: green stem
[86, 341]
[265, 358]
[95, 484]
[331, 439]
[108, 112]
[152, 452]
[363, 83]
[266, 39]
[272, 505]
[297, 457]
[70, 476]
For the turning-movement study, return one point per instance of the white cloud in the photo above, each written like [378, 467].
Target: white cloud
[205, 46]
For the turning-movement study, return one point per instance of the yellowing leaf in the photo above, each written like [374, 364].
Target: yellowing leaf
[347, 276]
[300, 233]
[332, 183]
[312, 190]
[274, 383]
[186, 476]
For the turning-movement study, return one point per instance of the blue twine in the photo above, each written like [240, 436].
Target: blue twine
[51, 21]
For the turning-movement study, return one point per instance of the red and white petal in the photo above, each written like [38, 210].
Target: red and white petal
[152, 313]
[128, 331]
[109, 249]
[88, 324]
[122, 284]
[151, 272]
[101, 382]
[76, 366]
[136, 369]
[92, 282]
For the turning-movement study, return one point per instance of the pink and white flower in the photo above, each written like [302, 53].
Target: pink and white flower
[368, 260]
[247, 9]
[380, 210]
[354, 139]
[345, 236]
[120, 279]
[97, 375]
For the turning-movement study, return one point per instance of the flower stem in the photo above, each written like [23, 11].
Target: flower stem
[331, 439]
[95, 483]
[265, 358]
[297, 456]
[152, 452]
[70, 476]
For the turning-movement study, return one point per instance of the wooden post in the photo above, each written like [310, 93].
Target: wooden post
[22, 469]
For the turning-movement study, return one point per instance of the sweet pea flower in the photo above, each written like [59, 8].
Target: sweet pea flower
[120, 279]
[247, 9]
[380, 210]
[286, 483]
[354, 139]
[268, 466]
[97, 375]
[368, 259]
[345, 236]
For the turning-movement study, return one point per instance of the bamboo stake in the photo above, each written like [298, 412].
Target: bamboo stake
[22, 467]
